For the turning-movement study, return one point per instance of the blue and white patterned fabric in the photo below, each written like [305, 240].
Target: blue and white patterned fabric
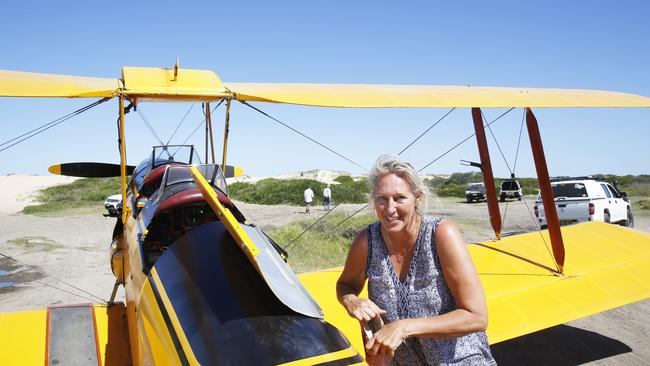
[424, 293]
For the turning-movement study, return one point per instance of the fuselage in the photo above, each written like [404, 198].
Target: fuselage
[193, 297]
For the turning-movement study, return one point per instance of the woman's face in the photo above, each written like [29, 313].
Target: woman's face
[395, 204]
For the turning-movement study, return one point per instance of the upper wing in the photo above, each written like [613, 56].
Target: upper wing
[427, 96]
[29, 84]
[137, 83]
[170, 84]
[607, 266]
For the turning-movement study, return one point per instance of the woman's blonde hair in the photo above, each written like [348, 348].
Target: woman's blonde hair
[390, 164]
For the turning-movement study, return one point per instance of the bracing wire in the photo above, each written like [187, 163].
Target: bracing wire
[505, 212]
[521, 129]
[350, 216]
[498, 146]
[302, 134]
[58, 279]
[310, 226]
[180, 124]
[153, 132]
[463, 141]
[27, 135]
[201, 123]
[427, 130]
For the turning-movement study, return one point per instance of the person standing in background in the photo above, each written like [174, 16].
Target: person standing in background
[327, 198]
[309, 198]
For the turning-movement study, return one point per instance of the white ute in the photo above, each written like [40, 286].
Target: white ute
[587, 200]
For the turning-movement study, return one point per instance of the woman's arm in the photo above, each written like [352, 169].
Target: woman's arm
[352, 279]
[460, 274]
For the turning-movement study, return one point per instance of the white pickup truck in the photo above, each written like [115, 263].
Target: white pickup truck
[587, 200]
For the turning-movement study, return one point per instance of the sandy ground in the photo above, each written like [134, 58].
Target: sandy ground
[59, 260]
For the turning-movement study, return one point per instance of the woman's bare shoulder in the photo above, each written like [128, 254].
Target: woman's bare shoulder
[361, 239]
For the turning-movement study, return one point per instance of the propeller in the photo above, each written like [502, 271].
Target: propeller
[89, 170]
[107, 170]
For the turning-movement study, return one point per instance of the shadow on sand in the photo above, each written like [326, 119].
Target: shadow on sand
[562, 345]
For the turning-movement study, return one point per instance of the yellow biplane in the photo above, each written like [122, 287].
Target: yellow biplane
[205, 286]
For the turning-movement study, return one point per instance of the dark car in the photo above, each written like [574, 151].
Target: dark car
[475, 192]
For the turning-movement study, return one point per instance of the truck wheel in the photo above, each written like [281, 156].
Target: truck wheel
[469, 199]
[630, 219]
[606, 217]
[503, 198]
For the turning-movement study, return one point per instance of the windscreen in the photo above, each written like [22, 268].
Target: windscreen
[211, 172]
[181, 154]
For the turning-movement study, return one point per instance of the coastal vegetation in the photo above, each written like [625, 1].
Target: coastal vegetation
[86, 196]
[273, 191]
[83, 196]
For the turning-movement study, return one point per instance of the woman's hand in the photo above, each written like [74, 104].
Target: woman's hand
[387, 339]
[360, 308]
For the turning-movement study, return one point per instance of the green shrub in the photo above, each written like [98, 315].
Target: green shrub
[344, 179]
[279, 191]
[87, 194]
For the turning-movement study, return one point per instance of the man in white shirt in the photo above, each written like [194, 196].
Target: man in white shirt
[327, 198]
[309, 198]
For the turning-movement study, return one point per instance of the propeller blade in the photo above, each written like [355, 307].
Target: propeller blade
[233, 171]
[89, 170]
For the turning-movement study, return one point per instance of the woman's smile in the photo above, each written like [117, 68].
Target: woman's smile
[395, 204]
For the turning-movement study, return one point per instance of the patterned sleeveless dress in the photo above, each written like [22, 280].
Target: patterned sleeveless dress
[424, 293]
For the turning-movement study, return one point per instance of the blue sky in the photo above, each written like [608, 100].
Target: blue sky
[562, 44]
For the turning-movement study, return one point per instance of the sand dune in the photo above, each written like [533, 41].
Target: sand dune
[18, 191]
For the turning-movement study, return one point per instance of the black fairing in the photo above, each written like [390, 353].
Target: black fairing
[227, 311]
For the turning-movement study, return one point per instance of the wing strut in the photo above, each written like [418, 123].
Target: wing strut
[545, 188]
[225, 133]
[122, 142]
[486, 169]
[208, 133]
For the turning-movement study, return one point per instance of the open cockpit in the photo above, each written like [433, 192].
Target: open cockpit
[169, 204]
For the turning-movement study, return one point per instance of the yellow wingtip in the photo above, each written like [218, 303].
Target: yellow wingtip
[55, 169]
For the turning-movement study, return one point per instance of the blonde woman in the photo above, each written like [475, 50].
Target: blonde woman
[421, 279]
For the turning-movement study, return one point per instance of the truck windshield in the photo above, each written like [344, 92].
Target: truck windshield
[569, 190]
[476, 187]
[510, 185]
